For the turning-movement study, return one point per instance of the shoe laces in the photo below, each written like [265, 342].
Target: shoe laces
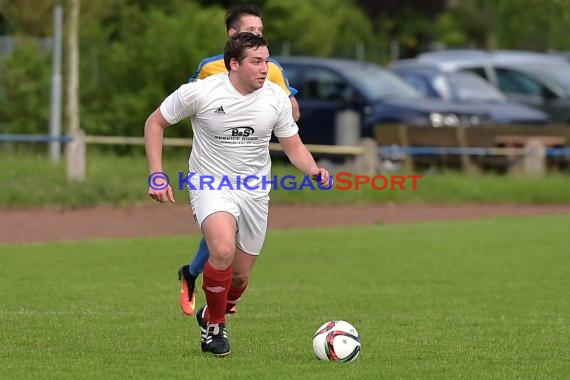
[218, 331]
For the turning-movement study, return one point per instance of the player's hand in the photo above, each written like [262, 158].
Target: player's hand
[163, 195]
[322, 175]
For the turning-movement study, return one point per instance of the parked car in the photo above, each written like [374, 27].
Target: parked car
[538, 80]
[328, 86]
[466, 88]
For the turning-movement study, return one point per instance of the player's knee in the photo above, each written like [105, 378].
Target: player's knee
[222, 251]
[239, 280]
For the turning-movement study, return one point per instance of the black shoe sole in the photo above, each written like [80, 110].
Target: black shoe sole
[221, 355]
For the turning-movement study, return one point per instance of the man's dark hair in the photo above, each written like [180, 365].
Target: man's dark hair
[239, 43]
[234, 15]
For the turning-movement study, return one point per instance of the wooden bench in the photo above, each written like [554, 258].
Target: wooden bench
[522, 141]
[533, 162]
[504, 144]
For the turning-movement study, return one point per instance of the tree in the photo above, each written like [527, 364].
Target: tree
[408, 22]
[529, 24]
[129, 67]
[28, 17]
[24, 91]
[226, 4]
[302, 23]
[466, 23]
[73, 67]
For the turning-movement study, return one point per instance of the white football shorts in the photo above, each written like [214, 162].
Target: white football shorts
[250, 211]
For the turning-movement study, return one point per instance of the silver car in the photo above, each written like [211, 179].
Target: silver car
[467, 88]
[539, 80]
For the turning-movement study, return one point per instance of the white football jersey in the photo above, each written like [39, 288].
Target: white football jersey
[231, 131]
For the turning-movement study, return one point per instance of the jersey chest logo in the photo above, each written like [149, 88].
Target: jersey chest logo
[241, 131]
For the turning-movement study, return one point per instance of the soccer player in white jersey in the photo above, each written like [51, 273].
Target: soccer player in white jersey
[240, 18]
[233, 115]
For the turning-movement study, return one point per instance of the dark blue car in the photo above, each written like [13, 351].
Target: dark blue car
[327, 86]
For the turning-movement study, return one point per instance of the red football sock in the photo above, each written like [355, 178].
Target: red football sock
[234, 296]
[216, 287]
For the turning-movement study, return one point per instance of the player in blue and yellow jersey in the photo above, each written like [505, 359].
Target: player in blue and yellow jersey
[241, 18]
[247, 18]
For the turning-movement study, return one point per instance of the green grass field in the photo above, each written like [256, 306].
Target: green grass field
[483, 299]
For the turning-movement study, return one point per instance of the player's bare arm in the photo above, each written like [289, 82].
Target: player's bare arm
[302, 159]
[153, 135]
[295, 109]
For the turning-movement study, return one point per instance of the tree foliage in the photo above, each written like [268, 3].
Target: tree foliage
[302, 24]
[529, 24]
[28, 17]
[24, 93]
[465, 23]
[133, 67]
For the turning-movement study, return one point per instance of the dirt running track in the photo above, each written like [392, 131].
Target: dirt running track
[153, 219]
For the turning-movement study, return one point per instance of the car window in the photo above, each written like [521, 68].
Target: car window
[419, 83]
[323, 84]
[376, 83]
[468, 87]
[550, 75]
[479, 71]
[441, 85]
[511, 81]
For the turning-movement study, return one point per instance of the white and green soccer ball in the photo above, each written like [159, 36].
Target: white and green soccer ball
[336, 341]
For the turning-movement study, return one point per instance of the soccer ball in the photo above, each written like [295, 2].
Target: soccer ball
[336, 341]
